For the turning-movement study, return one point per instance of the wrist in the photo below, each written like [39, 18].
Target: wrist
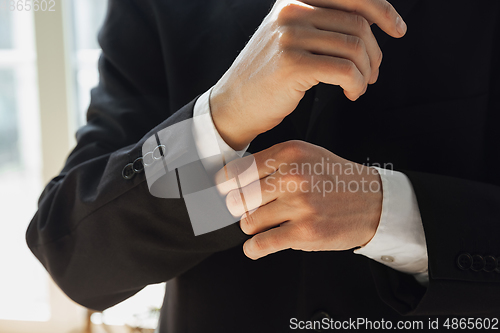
[374, 212]
[229, 122]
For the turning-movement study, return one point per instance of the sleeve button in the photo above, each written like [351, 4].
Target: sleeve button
[138, 165]
[159, 152]
[464, 261]
[148, 159]
[387, 259]
[477, 263]
[490, 264]
[128, 171]
[320, 316]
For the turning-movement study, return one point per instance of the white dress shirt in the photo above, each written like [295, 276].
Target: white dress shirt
[399, 241]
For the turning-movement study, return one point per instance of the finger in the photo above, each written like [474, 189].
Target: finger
[383, 14]
[351, 24]
[265, 217]
[236, 174]
[374, 77]
[252, 196]
[246, 170]
[337, 45]
[380, 12]
[336, 71]
[271, 241]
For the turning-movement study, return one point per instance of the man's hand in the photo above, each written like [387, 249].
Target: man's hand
[316, 200]
[298, 45]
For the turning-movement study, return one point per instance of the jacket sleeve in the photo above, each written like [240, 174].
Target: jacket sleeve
[460, 218]
[101, 237]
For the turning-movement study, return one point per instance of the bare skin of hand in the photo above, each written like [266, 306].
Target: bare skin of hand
[298, 45]
[299, 206]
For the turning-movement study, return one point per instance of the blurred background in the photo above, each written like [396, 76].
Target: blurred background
[48, 65]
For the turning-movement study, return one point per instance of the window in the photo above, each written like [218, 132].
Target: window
[24, 294]
[36, 130]
[87, 18]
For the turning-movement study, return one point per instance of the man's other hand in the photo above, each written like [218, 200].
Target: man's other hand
[298, 45]
[309, 199]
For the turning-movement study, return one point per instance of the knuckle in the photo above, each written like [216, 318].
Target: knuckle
[347, 68]
[361, 23]
[288, 36]
[290, 58]
[354, 78]
[388, 9]
[259, 244]
[294, 149]
[233, 199]
[293, 178]
[351, 75]
[288, 12]
[356, 44]
[380, 57]
[362, 87]
[315, 210]
[273, 243]
[249, 224]
[304, 201]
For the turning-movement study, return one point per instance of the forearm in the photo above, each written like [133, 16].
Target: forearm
[102, 237]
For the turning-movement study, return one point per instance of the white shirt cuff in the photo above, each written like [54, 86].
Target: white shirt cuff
[213, 151]
[399, 241]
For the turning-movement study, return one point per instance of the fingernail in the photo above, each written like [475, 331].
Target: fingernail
[246, 248]
[401, 26]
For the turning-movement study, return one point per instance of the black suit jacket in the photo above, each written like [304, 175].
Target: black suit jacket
[434, 113]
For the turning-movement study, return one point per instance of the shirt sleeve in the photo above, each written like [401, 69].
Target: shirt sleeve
[399, 241]
[213, 151]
